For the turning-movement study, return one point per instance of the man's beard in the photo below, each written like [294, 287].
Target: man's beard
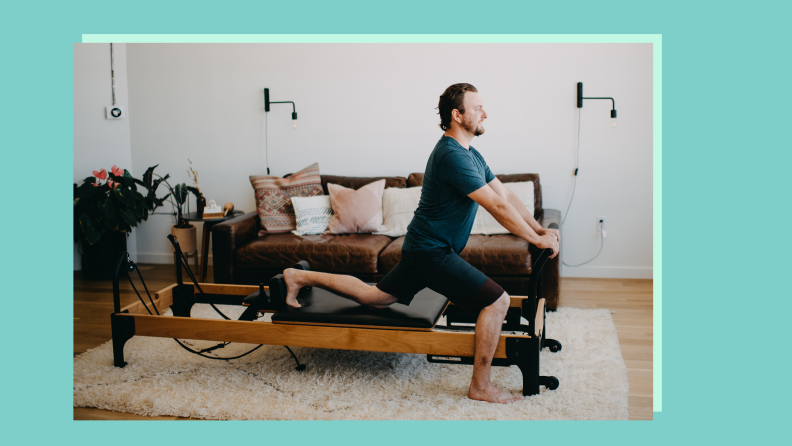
[476, 130]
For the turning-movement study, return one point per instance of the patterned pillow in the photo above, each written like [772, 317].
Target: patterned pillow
[313, 214]
[273, 197]
[356, 211]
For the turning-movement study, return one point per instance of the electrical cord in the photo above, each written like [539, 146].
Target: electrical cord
[266, 148]
[217, 346]
[574, 185]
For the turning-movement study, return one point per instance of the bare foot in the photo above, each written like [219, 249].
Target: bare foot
[492, 394]
[293, 286]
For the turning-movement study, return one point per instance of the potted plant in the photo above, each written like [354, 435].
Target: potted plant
[107, 206]
[184, 231]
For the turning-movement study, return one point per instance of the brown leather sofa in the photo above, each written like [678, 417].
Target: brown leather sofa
[242, 257]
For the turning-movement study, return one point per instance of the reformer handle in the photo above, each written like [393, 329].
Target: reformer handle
[529, 305]
[175, 242]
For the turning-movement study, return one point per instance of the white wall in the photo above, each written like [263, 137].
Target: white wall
[369, 109]
[100, 143]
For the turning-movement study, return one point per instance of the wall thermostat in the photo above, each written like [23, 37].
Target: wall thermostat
[115, 112]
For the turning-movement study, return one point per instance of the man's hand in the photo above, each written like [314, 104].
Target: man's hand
[549, 240]
[551, 231]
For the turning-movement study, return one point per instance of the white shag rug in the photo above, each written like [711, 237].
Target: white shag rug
[161, 378]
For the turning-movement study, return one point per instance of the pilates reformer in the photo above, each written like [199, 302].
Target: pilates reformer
[327, 320]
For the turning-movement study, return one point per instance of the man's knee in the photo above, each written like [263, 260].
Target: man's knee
[502, 304]
[380, 299]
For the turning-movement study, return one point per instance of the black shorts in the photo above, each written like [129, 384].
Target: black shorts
[442, 271]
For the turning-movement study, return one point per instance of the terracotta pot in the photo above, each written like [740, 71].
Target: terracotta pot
[186, 238]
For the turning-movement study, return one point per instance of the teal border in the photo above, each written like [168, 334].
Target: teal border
[726, 161]
[654, 39]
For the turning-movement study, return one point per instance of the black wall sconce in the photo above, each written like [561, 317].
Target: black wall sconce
[580, 102]
[267, 103]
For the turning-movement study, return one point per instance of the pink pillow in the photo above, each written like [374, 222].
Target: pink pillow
[356, 211]
[273, 197]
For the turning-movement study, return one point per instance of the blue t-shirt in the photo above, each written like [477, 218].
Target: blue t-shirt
[445, 213]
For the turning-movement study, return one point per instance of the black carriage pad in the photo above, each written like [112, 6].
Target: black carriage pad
[323, 307]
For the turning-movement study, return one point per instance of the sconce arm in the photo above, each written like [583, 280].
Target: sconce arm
[614, 102]
[294, 109]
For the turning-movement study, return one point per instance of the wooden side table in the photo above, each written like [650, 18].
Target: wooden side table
[208, 223]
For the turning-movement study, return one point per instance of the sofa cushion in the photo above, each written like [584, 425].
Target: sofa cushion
[501, 254]
[348, 253]
[493, 255]
[390, 256]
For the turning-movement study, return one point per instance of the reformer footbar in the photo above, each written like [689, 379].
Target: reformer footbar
[327, 320]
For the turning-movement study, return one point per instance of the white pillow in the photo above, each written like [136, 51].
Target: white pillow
[398, 207]
[486, 223]
[312, 214]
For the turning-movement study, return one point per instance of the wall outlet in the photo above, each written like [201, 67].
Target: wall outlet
[601, 223]
[115, 112]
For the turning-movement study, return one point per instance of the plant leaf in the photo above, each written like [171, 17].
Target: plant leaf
[108, 209]
[148, 178]
[92, 235]
[128, 217]
[180, 193]
[121, 193]
[138, 212]
[161, 201]
[111, 224]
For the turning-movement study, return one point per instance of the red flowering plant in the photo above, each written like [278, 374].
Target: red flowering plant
[110, 202]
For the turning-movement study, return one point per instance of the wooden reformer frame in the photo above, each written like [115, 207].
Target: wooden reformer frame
[519, 344]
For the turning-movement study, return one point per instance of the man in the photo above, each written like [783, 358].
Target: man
[456, 182]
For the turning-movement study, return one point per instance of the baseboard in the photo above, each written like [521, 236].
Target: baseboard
[608, 272]
[153, 257]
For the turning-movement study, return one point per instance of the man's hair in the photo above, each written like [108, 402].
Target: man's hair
[452, 98]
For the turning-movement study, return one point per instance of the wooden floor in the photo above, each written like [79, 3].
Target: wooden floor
[630, 301]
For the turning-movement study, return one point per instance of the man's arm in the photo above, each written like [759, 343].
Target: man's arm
[509, 196]
[507, 215]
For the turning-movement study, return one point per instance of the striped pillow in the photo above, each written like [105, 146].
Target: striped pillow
[313, 214]
[273, 197]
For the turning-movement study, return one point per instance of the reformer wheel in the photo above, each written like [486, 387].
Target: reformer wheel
[552, 344]
[303, 265]
[551, 382]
